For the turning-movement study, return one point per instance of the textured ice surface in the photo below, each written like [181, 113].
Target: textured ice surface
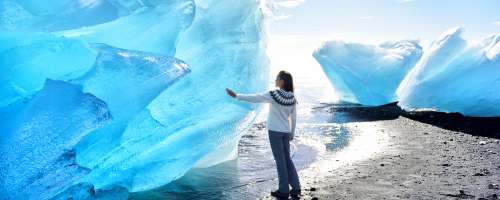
[37, 139]
[127, 81]
[157, 120]
[233, 56]
[367, 74]
[39, 134]
[193, 123]
[26, 60]
[153, 29]
[34, 15]
[456, 75]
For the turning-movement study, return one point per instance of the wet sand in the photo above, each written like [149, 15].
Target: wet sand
[412, 160]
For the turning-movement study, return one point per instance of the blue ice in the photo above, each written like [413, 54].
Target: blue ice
[193, 123]
[455, 75]
[127, 81]
[124, 110]
[33, 15]
[151, 29]
[44, 134]
[38, 137]
[26, 60]
[367, 74]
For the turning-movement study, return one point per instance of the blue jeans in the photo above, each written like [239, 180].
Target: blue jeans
[280, 145]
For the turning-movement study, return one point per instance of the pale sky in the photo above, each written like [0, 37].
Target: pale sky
[375, 21]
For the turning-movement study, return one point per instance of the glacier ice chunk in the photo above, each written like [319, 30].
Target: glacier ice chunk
[455, 75]
[33, 15]
[232, 57]
[36, 138]
[26, 60]
[161, 123]
[154, 29]
[127, 81]
[123, 82]
[367, 74]
[193, 123]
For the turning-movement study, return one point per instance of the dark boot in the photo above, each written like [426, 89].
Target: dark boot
[279, 194]
[295, 192]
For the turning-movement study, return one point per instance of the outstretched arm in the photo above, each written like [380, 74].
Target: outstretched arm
[253, 98]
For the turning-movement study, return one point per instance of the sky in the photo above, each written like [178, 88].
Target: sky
[375, 21]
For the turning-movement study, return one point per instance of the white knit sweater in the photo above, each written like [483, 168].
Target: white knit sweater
[282, 109]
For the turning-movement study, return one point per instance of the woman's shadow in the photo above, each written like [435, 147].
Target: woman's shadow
[288, 198]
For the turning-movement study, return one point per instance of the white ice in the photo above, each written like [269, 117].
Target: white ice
[367, 74]
[455, 75]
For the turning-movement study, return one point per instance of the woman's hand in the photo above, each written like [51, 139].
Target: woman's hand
[230, 93]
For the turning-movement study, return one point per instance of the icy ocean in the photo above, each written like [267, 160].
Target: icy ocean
[124, 99]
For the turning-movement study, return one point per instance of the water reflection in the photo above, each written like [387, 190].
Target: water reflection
[250, 176]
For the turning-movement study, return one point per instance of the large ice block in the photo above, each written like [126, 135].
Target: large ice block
[49, 16]
[161, 121]
[367, 74]
[26, 60]
[194, 123]
[44, 136]
[37, 140]
[153, 29]
[127, 81]
[455, 75]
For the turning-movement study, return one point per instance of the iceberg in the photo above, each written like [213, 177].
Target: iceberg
[32, 15]
[127, 81]
[367, 74]
[42, 135]
[232, 57]
[26, 60]
[193, 123]
[153, 29]
[455, 75]
[37, 140]
[116, 96]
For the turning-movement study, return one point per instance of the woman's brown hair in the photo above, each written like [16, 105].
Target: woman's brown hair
[287, 80]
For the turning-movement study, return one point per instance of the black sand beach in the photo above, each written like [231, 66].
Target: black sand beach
[416, 160]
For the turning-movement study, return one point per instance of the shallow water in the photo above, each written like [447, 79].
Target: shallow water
[252, 174]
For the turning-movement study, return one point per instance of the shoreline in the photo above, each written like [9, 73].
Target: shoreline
[420, 159]
[369, 153]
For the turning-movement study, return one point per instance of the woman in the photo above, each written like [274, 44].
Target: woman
[281, 127]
